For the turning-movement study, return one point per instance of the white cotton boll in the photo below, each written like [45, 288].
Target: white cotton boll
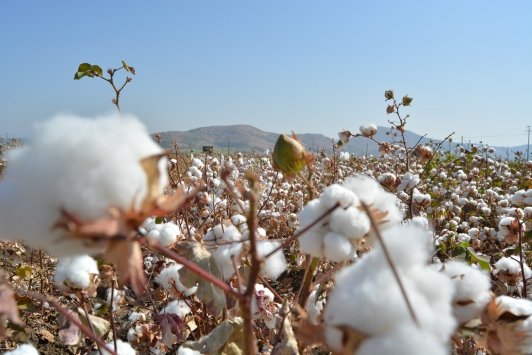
[336, 193]
[314, 307]
[223, 256]
[168, 234]
[373, 195]
[231, 233]
[511, 267]
[353, 303]
[407, 340]
[118, 297]
[351, 222]
[122, 348]
[344, 156]
[75, 273]
[368, 130]
[79, 165]
[275, 265]
[149, 224]
[178, 307]
[337, 247]
[472, 289]
[238, 220]
[136, 316]
[197, 163]
[187, 351]
[463, 237]
[421, 222]
[23, 349]
[311, 242]
[154, 235]
[169, 280]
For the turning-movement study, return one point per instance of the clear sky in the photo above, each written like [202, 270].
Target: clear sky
[281, 65]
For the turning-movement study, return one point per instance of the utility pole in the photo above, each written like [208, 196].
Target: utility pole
[528, 143]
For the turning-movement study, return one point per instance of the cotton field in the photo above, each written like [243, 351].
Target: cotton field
[112, 245]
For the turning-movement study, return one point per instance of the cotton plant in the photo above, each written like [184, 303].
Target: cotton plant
[334, 236]
[353, 310]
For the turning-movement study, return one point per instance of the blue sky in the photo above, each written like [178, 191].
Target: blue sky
[280, 65]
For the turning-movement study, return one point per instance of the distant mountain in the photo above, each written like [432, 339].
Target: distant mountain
[235, 138]
[245, 138]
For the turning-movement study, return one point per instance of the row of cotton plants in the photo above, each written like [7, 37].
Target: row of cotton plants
[416, 251]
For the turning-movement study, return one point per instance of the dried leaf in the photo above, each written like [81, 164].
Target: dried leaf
[172, 328]
[46, 335]
[212, 296]
[101, 326]
[8, 305]
[69, 333]
[288, 344]
[127, 257]
[150, 165]
[227, 338]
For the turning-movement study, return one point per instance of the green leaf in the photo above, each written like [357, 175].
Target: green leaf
[528, 235]
[97, 70]
[83, 67]
[212, 296]
[24, 272]
[482, 260]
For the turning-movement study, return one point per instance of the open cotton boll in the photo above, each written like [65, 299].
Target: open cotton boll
[337, 247]
[373, 195]
[509, 269]
[82, 166]
[178, 307]
[275, 265]
[350, 222]
[336, 193]
[311, 242]
[23, 349]
[472, 289]
[122, 348]
[187, 351]
[407, 340]
[353, 303]
[314, 307]
[169, 280]
[75, 273]
[368, 130]
[223, 255]
[168, 233]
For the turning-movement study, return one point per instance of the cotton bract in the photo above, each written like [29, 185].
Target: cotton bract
[82, 166]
